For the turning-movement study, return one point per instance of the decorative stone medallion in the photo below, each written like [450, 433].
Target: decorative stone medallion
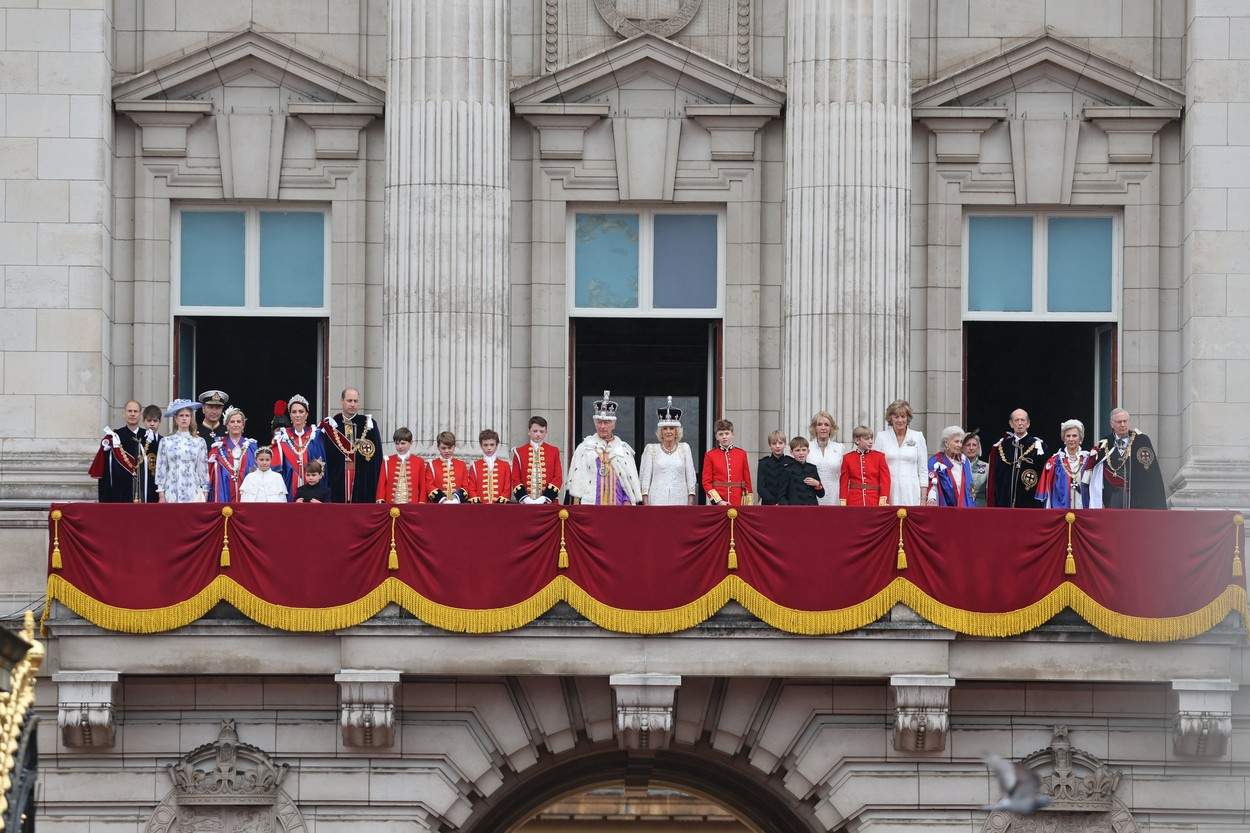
[1083, 790]
[634, 17]
[227, 787]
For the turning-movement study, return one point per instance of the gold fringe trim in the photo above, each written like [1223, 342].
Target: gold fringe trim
[561, 588]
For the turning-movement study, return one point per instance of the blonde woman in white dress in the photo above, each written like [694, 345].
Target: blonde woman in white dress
[667, 473]
[906, 452]
[826, 455]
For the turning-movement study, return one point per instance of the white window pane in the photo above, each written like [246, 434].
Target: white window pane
[685, 261]
[1078, 258]
[606, 261]
[212, 258]
[292, 259]
[1000, 264]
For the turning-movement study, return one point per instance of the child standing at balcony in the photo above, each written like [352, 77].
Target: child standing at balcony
[446, 478]
[773, 472]
[315, 489]
[402, 477]
[263, 484]
[490, 479]
[865, 479]
[726, 471]
[805, 486]
[536, 471]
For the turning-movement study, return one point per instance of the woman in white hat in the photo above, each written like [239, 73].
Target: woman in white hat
[667, 476]
[182, 458]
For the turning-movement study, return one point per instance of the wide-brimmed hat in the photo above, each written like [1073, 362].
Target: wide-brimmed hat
[179, 404]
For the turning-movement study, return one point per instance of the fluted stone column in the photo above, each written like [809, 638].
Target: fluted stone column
[445, 303]
[844, 299]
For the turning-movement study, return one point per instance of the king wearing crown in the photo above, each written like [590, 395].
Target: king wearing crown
[603, 471]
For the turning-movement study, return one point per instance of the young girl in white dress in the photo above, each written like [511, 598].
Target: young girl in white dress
[906, 452]
[826, 455]
[667, 473]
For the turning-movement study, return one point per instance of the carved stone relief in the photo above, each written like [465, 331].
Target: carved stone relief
[1083, 789]
[227, 787]
[634, 17]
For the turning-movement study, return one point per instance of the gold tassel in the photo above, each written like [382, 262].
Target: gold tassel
[392, 559]
[733, 552]
[901, 562]
[1069, 561]
[1238, 572]
[226, 512]
[562, 563]
[56, 539]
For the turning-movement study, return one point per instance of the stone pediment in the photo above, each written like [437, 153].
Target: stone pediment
[1042, 67]
[622, 75]
[249, 57]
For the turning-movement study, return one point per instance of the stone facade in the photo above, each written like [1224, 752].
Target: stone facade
[115, 114]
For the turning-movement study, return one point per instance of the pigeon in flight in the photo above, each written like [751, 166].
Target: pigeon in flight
[1021, 787]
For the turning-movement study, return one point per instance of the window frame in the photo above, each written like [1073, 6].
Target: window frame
[1040, 276]
[251, 260]
[646, 261]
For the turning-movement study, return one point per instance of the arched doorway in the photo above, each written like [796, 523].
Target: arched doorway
[762, 804]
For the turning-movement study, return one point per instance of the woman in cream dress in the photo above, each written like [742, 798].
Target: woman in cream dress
[667, 472]
[826, 455]
[907, 454]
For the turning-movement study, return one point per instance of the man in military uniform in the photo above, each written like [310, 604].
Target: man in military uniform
[1016, 463]
[1126, 474]
[212, 427]
[120, 465]
[353, 452]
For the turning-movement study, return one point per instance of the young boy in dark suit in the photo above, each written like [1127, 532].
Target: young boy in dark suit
[805, 485]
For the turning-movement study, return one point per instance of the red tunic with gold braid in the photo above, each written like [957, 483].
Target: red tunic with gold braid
[446, 479]
[536, 475]
[402, 480]
[726, 475]
[865, 479]
[490, 483]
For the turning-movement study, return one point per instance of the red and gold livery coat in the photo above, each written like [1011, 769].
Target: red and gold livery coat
[446, 479]
[402, 480]
[490, 482]
[536, 476]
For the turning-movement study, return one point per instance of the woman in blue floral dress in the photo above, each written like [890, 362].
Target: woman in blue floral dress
[182, 458]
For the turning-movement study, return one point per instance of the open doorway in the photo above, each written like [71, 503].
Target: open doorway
[643, 361]
[256, 360]
[1054, 370]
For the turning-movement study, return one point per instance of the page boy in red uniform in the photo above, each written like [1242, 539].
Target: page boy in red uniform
[402, 476]
[726, 470]
[536, 472]
[865, 479]
[446, 478]
[490, 479]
